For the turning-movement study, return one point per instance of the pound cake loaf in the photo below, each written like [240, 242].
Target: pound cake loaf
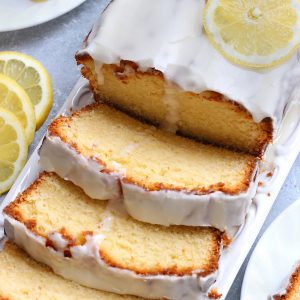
[291, 290]
[165, 179]
[160, 66]
[22, 278]
[95, 243]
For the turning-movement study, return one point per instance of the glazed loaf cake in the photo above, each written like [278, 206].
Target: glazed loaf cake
[164, 178]
[96, 244]
[163, 69]
[22, 278]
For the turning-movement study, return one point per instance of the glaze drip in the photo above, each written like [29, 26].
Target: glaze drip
[169, 37]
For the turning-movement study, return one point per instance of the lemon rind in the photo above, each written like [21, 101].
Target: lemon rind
[12, 120]
[27, 105]
[213, 35]
[42, 110]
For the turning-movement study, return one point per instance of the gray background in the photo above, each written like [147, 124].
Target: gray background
[55, 43]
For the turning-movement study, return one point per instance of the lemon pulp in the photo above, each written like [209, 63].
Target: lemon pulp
[33, 77]
[13, 149]
[14, 98]
[254, 33]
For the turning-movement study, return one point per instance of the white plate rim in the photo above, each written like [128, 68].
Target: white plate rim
[33, 22]
[277, 222]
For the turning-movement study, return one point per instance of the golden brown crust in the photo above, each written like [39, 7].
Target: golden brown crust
[214, 294]
[54, 130]
[15, 252]
[213, 263]
[292, 286]
[13, 211]
[226, 240]
[265, 126]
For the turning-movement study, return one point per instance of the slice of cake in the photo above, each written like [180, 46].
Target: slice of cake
[159, 65]
[207, 116]
[164, 178]
[97, 245]
[21, 278]
[291, 289]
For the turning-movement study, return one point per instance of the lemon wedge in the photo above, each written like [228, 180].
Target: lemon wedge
[13, 149]
[254, 33]
[33, 77]
[15, 99]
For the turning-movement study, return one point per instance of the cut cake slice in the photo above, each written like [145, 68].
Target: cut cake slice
[165, 179]
[207, 116]
[163, 69]
[22, 278]
[97, 245]
[291, 290]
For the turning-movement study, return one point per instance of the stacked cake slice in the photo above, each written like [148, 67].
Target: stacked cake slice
[22, 278]
[96, 244]
[114, 171]
[164, 178]
[206, 116]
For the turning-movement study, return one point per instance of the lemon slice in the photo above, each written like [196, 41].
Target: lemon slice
[33, 77]
[15, 99]
[13, 149]
[254, 33]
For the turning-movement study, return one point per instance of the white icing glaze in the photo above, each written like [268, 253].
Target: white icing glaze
[172, 116]
[118, 169]
[87, 268]
[56, 156]
[285, 283]
[58, 241]
[169, 37]
[217, 209]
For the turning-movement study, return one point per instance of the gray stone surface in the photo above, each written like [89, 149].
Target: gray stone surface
[55, 43]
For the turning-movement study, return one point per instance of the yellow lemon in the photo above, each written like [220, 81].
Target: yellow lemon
[33, 77]
[13, 149]
[254, 33]
[15, 99]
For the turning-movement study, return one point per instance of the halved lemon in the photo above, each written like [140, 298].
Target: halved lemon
[15, 99]
[254, 33]
[33, 77]
[13, 149]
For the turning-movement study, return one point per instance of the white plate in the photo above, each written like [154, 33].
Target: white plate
[274, 256]
[288, 145]
[19, 14]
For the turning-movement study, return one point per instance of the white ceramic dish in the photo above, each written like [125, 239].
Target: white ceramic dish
[19, 14]
[279, 161]
[274, 256]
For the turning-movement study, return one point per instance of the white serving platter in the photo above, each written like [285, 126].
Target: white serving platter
[274, 256]
[19, 14]
[279, 160]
